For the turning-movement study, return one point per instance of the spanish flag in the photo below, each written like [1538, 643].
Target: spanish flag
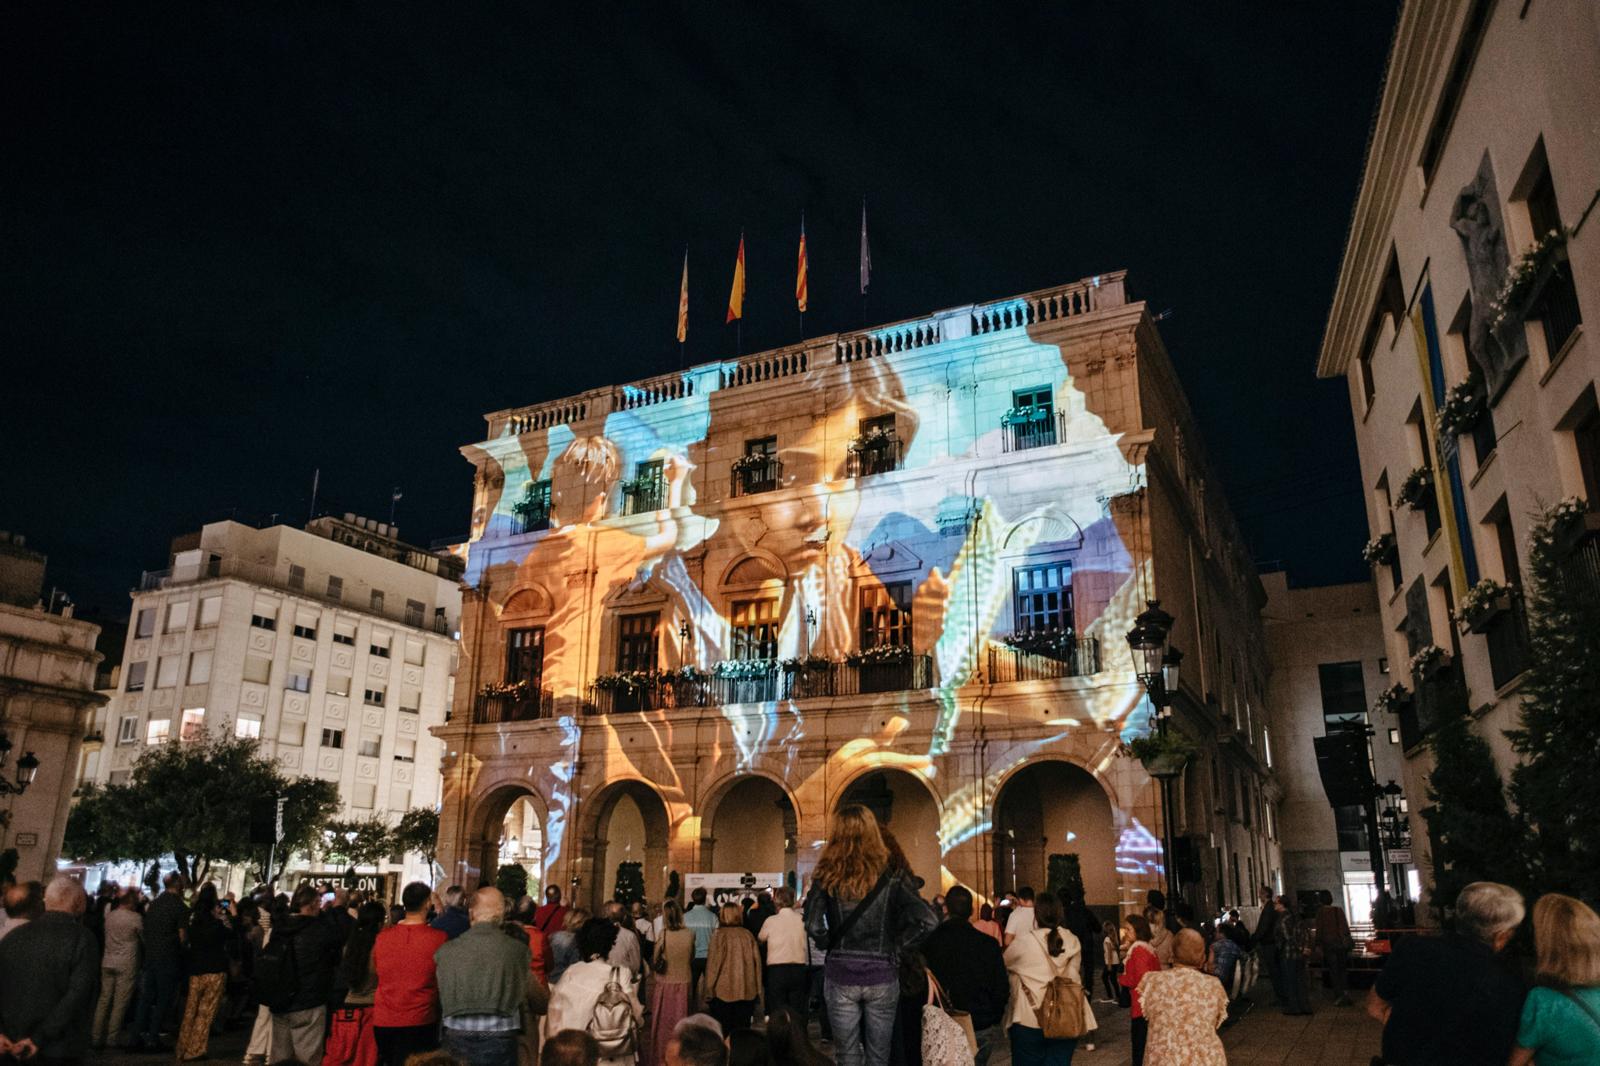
[800, 271]
[736, 297]
[683, 301]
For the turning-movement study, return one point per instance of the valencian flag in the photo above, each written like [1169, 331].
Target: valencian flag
[800, 270]
[866, 250]
[683, 301]
[736, 297]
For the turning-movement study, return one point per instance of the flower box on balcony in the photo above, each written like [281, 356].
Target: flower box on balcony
[880, 654]
[1393, 700]
[1463, 408]
[1430, 661]
[1416, 489]
[1482, 604]
[1567, 525]
[1525, 281]
[1380, 550]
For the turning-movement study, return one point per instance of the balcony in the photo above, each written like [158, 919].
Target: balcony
[1032, 427]
[758, 681]
[496, 708]
[1556, 308]
[1580, 564]
[1073, 658]
[644, 495]
[873, 455]
[756, 473]
[1507, 637]
[1439, 699]
[531, 520]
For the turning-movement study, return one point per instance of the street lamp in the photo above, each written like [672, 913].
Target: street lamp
[27, 769]
[1156, 663]
[1148, 641]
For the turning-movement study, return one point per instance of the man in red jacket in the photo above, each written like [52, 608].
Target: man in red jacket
[547, 919]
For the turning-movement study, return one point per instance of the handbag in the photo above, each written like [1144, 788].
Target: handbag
[1061, 1016]
[948, 1038]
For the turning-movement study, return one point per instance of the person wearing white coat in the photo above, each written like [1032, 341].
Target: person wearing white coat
[1034, 959]
[573, 998]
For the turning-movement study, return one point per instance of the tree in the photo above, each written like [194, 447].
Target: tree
[630, 882]
[418, 832]
[358, 841]
[1474, 836]
[512, 881]
[309, 803]
[1555, 785]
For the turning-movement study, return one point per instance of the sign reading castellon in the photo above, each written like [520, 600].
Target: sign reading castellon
[893, 567]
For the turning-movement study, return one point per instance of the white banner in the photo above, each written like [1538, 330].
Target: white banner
[731, 887]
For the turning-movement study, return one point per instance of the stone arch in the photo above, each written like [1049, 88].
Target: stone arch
[1056, 531]
[1047, 805]
[751, 833]
[909, 806]
[527, 602]
[484, 826]
[753, 569]
[626, 821]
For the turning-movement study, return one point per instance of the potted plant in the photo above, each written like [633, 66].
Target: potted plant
[1565, 526]
[1051, 641]
[1380, 550]
[876, 437]
[1482, 604]
[1429, 661]
[880, 654]
[514, 689]
[1525, 280]
[751, 461]
[807, 664]
[1392, 700]
[1415, 489]
[743, 668]
[1162, 754]
[1463, 408]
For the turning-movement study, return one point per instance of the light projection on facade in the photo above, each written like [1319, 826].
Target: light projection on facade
[893, 566]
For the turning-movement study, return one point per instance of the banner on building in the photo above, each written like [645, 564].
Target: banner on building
[732, 887]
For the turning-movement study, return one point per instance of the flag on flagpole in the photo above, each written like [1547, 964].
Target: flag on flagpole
[736, 297]
[683, 301]
[800, 270]
[866, 250]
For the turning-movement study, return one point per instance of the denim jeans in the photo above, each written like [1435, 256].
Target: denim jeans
[862, 1018]
[157, 994]
[482, 1049]
[1029, 1047]
[988, 1040]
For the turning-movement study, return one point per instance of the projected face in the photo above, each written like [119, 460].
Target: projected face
[886, 528]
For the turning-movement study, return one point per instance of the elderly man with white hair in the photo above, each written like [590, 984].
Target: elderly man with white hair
[49, 976]
[1452, 998]
[483, 983]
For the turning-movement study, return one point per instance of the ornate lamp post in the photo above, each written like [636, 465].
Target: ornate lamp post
[1157, 663]
[27, 769]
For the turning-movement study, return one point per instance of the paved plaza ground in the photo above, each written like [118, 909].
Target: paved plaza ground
[1333, 1035]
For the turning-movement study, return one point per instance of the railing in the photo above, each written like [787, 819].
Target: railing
[752, 683]
[878, 458]
[886, 340]
[496, 708]
[767, 366]
[643, 496]
[1581, 567]
[762, 477]
[657, 694]
[258, 574]
[1079, 658]
[1557, 309]
[532, 522]
[1048, 305]
[657, 390]
[915, 672]
[541, 416]
[1020, 435]
[1507, 638]
[1438, 699]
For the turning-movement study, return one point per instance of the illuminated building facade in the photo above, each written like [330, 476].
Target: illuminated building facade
[1463, 323]
[894, 566]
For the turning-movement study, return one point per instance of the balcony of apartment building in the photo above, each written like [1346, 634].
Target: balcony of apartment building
[291, 578]
[760, 681]
[1032, 421]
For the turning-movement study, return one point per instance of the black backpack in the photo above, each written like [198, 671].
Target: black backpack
[277, 979]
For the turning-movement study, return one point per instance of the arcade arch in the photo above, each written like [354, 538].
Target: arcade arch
[629, 824]
[509, 826]
[752, 828]
[1054, 808]
[904, 805]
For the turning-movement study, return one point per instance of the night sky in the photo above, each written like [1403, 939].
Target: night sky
[242, 245]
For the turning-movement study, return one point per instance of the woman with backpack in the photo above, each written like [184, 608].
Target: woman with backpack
[350, 1037]
[733, 971]
[1048, 1011]
[595, 997]
[863, 914]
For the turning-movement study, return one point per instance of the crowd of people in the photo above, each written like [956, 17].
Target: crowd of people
[888, 977]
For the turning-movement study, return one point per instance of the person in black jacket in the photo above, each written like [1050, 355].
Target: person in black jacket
[970, 969]
[863, 913]
[49, 980]
[297, 1027]
[207, 942]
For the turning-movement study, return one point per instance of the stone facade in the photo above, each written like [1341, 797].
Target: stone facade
[1484, 143]
[705, 609]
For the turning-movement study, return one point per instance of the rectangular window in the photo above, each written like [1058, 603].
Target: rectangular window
[292, 732]
[1350, 823]
[335, 588]
[370, 747]
[1556, 307]
[257, 669]
[339, 685]
[414, 612]
[119, 777]
[405, 750]
[298, 682]
[1394, 736]
[158, 730]
[414, 651]
[136, 672]
[410, 701]
[636, 641]
[525, 656]
[1430, 495]
[379, 647]
[365, 796]
[333, 738]
[886, 615]
[297, 576]
[177, 616]
[262, 621]
[755, 629]
[758, 469]
[375, 602]
[128, 729]
[146, 625]
[247, 725]
[306, 632]
[533, 510]
[373, 697]
[200, 667]
[1043, 598]
[1031, 422]
[344, 633]
[1586, 437]
[194, 724]
[210, 612]
[167, 671]
[647, 491]
[1455, 84]
[1344, 698]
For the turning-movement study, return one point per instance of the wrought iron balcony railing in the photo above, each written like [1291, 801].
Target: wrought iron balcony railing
[1040, 428]
[1074, 658]
[643, 495]
[758, 682]
[750, 477]
[494, 708]
[879, 456]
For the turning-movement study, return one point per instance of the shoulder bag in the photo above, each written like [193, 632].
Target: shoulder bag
[1060, 1016]
[945, 1030]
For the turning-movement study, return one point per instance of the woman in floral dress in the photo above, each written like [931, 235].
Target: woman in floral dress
[1184, 1007]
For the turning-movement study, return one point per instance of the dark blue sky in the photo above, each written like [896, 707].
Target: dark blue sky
[240, 245]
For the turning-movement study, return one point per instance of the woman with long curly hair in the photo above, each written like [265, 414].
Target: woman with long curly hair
[863, 911]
